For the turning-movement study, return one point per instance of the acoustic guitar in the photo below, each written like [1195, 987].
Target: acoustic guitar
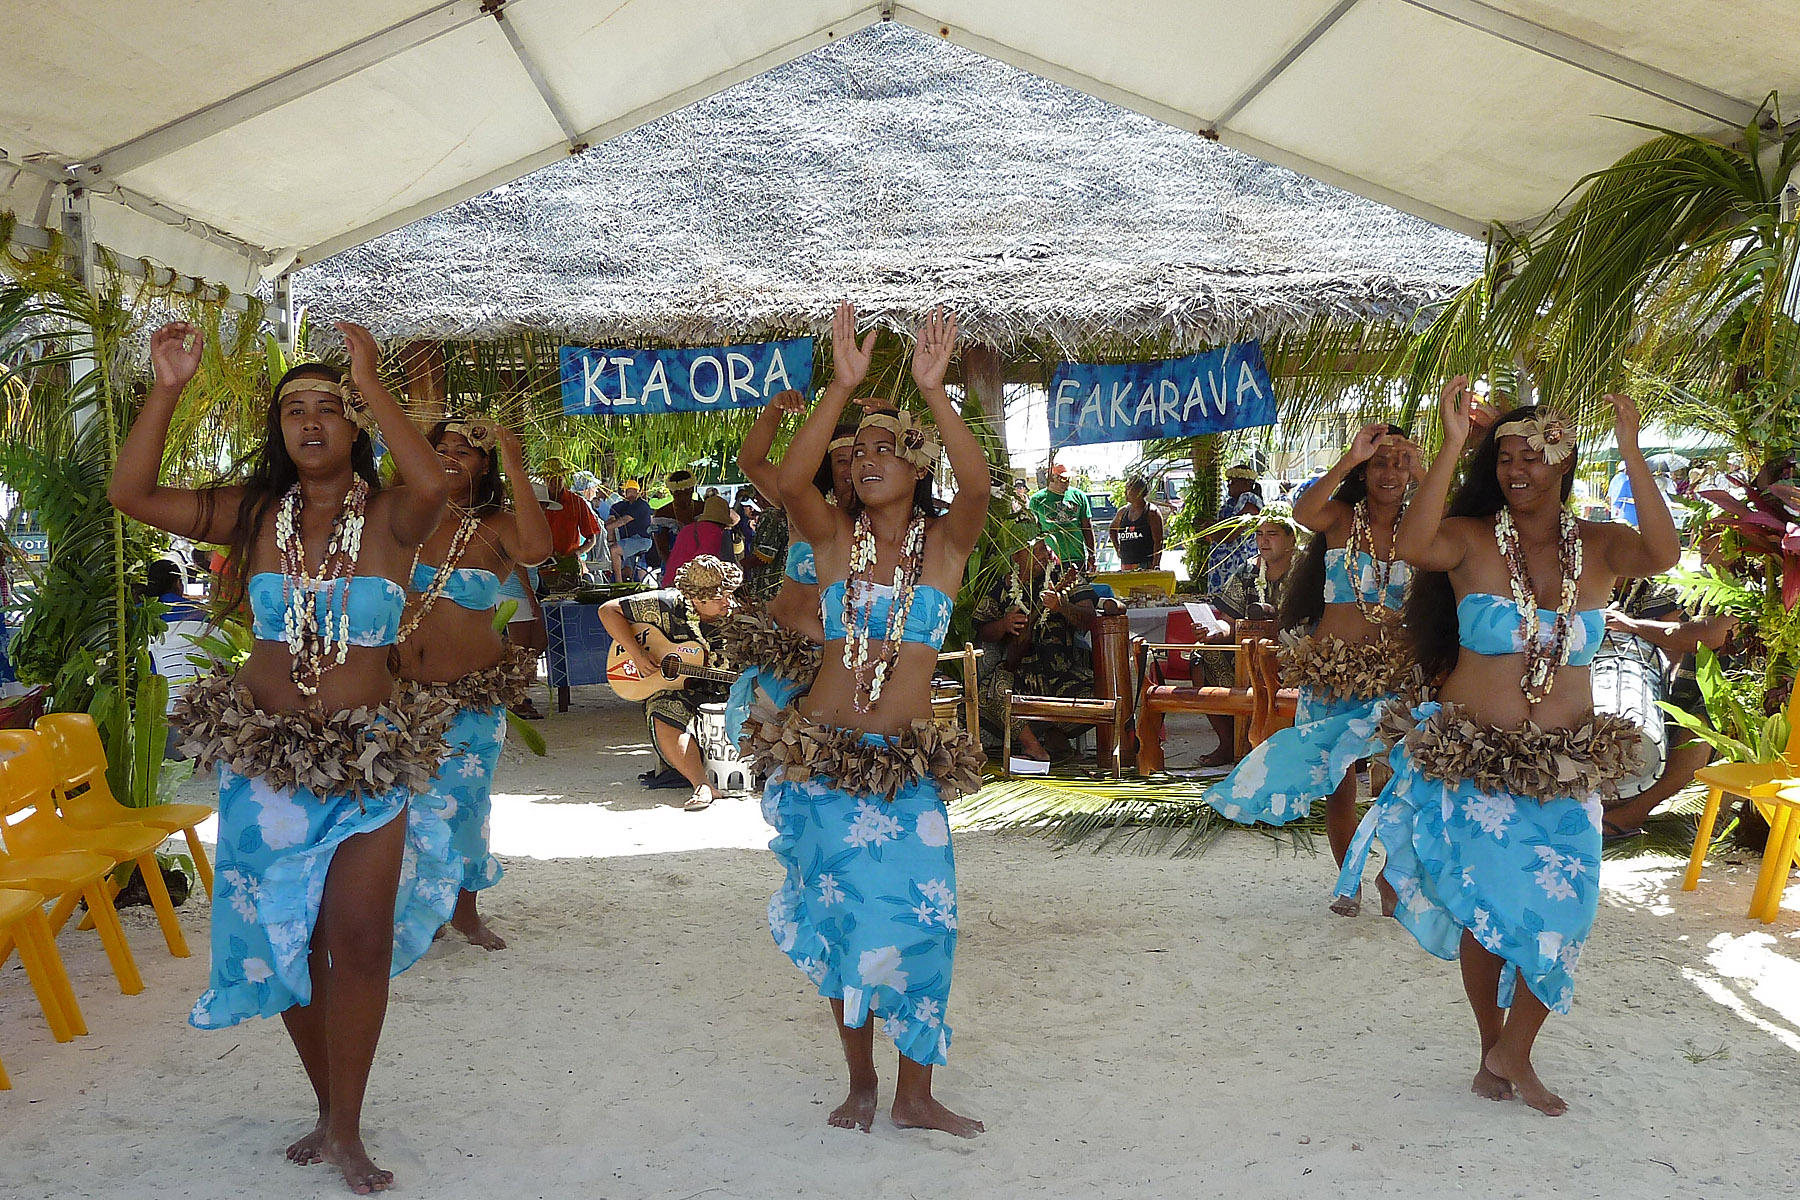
[681, 661]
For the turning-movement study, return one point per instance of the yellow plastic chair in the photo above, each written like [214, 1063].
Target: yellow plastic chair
[1784, 838]
[31, 827]
[86, 799]
[77, 875]
[1763, 784]
[22, 916]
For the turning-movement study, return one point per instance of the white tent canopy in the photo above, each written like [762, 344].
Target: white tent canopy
[234, 139]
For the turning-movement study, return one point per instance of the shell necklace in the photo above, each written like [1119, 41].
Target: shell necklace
[312, 640]
[440, 579]
[859, 607]
[1542, 662]
[1362, 541]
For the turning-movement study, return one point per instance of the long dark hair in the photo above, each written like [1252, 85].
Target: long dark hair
[825, 479]
[1303, 603]
[490, 492]
[1431, 605]
[265, 474]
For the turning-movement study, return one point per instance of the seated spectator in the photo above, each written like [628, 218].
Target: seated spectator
[629, 527]
[1243, 497]
[1037, 633]
[711, 534]
[681, 511]
[1253, 593]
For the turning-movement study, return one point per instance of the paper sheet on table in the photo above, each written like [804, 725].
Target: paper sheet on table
[1207, 620]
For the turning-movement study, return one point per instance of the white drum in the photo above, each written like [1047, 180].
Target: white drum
[725, 771]
[1628, 679]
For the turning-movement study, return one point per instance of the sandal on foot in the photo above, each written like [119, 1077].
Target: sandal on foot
[697, 802]
[1618, 833]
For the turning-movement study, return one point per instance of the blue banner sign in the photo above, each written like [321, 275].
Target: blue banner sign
[632, 383]
[1227, 388]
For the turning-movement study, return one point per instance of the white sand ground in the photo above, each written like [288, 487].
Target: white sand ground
[1126, 1026]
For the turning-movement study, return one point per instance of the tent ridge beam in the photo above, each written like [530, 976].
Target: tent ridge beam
[1463, 223]
[1585, 56]
[1318, 30]
[545, 92]
[285, 88]
[588, 137]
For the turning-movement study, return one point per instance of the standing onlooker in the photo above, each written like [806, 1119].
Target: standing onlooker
[573, 528]
[681, 510]
[629, 526]
[1137, 529]
[1063, 514]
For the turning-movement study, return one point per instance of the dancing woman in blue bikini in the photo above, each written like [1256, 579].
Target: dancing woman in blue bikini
[1491, 823]
[1346, 594]
[318, 755]
[448, 646]
[779, 644]
[859, 775]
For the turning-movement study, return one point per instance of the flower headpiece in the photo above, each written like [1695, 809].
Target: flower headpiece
[479, 432]
[707, 578]
[1277, 514]
[914, 440]
[1547, 432]
[1241, 472]
[354, 412]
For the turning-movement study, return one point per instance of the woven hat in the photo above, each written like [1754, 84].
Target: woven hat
[678, 480]
[555, 466]
[707, 578]
[716, 511]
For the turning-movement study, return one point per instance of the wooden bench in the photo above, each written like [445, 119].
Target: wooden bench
[1157, 699]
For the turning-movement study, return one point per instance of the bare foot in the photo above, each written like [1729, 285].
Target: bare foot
[856, 1112]
[1526, 1083]
[1390, 901]
[309, 1149]
[1348, 906]
[1490, 1085]
[929, 1114]
[1030, 747]
[360, 1171]
[1222, 757]
[477, 931]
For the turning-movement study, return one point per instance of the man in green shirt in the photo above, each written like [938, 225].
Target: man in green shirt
[1062, 513]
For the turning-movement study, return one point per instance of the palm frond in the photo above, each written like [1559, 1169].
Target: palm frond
[1147, 816]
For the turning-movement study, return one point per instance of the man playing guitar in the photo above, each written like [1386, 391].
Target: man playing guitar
[702, 596]
[1036, 616]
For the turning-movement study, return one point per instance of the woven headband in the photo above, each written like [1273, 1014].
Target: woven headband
[914, 441]
[1547, 432]
[354, 412]
[840, 443]
[479, 432]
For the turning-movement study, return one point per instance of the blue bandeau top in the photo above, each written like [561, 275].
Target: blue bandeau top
[800, 566]
[1339, 588]
[375, 605]
[1490, 624]
[470, 587]
[926, 623]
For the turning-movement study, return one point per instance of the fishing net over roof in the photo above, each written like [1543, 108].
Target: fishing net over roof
[899, 171]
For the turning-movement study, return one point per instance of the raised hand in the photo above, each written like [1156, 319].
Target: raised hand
[933, 346]
[1367, 441]
[1456, 407]
[175, 353]
[1412, 458]
[849, 360]
[365, 355]
[788, 401]
[507, 442]
[1625, 419]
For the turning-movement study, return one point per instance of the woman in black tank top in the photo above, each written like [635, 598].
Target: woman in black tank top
[1137, 529]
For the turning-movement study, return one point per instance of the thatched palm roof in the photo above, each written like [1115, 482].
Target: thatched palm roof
[902, 172]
